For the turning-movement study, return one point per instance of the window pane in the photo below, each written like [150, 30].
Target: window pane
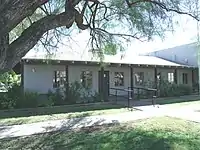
[139, 78]
[171, 77]
[119, 79]
[59, 79]
[86, 79]
[185, 78]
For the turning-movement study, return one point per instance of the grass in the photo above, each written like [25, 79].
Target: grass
[149, 134]
[40, 118]
[184, 104]
[85, 111]
[179, 100]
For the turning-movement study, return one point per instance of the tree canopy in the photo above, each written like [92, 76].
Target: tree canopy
[24, 23]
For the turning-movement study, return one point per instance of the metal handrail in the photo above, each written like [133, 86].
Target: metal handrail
[120, 89]
[143, 88]
[124, 90]
[130, 90]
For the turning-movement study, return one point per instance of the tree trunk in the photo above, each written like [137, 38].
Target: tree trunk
[4, 43]
[4, 40]
[12, 53]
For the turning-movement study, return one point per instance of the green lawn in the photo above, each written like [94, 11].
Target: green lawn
[170, 100]
[86, 111]
[149, 134]
[39, 118]
[183, 104]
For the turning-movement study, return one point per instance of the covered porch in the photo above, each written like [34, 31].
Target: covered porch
[144, 81]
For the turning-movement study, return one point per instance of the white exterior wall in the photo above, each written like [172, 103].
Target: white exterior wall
[164, 72]
[196, 76]
[126, 71]
[41, 80]
[74, 74]
[180, 76]
[184, 54]
[148, 74]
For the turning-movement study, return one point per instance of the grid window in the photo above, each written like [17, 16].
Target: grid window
[185, 78]
[119, 79]
[139, 78]
[59, 79]
[171, 77]
[86, 79]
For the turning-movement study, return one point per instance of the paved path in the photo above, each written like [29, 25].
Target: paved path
[190, 113]
[187, 113]
[68, 124]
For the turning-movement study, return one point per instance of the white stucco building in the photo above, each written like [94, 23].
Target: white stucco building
[186, 54]
[41, 73]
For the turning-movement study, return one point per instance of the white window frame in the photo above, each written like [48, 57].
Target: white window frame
[59, 79]
[139, 78]
[86, 79]
[119, 79]
[170, 77]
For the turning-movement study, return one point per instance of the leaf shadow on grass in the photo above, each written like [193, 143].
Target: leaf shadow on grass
[57, 126]
[27, 112]
[105, 137]
[17, 117]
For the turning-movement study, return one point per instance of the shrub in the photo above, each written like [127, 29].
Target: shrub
[6, 102]
[185, 89]
[76, 93]
[14, 98]
[96, 97]
[56, 98]
[27, 100]
[10, 79]
[167, 89]
[10, 98]
[73, 94]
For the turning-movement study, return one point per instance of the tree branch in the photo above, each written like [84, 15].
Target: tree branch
[15, 12]
[163, 6]
[3, 5]
[135, 3]
[29, 38]
[119, 34]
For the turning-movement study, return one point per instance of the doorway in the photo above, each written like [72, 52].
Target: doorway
[104, 84]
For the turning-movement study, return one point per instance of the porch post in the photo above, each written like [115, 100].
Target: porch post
[155, 77]
[67, 80]
[132, 84]
[175, 76]
[22, 75]
[102, 83]
[156, 80]
[193, 82]
[198, 80]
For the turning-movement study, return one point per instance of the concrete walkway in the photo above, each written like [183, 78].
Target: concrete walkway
[69, 124]
[186, 113]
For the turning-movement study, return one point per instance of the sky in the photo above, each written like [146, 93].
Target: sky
[185, 32]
